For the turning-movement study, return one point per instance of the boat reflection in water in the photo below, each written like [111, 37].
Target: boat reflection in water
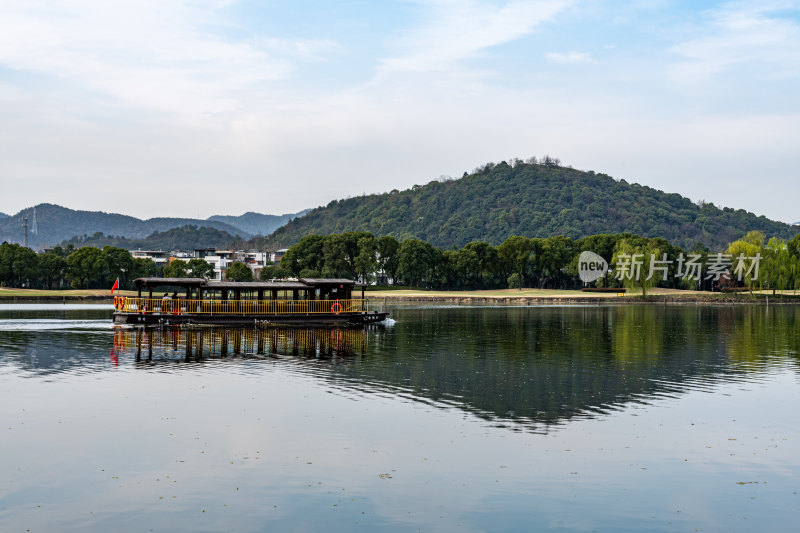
[196, 344]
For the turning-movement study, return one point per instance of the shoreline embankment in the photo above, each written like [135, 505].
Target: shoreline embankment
[57, 299]
[599, 301]
[500, 297]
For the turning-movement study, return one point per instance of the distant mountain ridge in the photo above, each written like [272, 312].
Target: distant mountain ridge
[257, 223]
[496, 202]
[188, 237]
[56, 224]
[3, 215]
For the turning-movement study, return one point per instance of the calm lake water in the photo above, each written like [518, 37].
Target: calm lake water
[626, 418]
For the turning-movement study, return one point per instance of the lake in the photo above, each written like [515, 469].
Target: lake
[628, 418]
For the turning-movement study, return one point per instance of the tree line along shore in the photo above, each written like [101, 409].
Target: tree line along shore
[379, 297]
[517, 263]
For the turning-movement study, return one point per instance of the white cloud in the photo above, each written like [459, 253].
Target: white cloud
[741, 34]
[463, 29]
[172, 95]
[159, 55]
[570, 57]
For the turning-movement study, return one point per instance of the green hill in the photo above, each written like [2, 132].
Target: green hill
[257, 223]
[534, 200]
[186, 237]
[56, 223]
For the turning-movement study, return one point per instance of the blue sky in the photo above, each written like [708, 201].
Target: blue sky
[222, 107]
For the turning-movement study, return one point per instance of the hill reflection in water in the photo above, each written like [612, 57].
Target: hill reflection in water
[543, 366]
[529, 368]
[526, 367]
[630, 418]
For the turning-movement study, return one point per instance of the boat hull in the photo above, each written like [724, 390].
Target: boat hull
[239, 320]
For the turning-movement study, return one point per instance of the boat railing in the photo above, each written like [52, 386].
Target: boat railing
[179, 306]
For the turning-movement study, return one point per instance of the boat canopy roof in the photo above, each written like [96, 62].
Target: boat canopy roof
[254, 285]
[303, 283]
[316, 282]
[179, 282]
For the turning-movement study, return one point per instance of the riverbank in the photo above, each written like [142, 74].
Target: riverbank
[73, 296]
[566, 297]
[489, 297]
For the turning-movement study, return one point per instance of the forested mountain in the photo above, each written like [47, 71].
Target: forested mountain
[56, 223]
[3, 215]
[529, 199]
[257, 223]
[186, 237]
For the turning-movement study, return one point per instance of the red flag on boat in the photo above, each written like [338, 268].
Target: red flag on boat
[115, 287]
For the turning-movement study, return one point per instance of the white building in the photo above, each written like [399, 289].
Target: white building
[277, 255]
[159, 257]
[254, 259]
[219, 260]
[183, 256]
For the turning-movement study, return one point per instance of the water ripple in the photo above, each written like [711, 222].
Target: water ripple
[52, 324]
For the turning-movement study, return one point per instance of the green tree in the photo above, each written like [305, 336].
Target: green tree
[794, 245]
[88, 268]
[305, 256]
[65, 251]
[144, 268]
[25, 267]
[388, 248]
[603, 245]
[750, 246]
[177, 268]
[466, 268]
[52, 269]
[334, 250]
[415, 260]
[755, 237]
[515, 253]
[366, 262]
[7, 254]
[446, 270]
[200, 268]
[239, 272]
[488, 263]
[120, 265]
[775, 268]
[554, 257]
[354, 242]
[273, 272]
[634, 261]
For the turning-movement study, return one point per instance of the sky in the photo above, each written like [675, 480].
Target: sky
[203, 107]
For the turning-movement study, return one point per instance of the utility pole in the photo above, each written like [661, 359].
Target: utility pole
[25, 225]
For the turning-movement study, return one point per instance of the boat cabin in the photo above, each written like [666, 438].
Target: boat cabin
[196, 300]
[306, 289]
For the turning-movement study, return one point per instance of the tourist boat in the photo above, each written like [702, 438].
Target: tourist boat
[312, 301]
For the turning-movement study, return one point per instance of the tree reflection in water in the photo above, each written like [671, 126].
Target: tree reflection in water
[191, 344]
[530, 368]
[527, 367]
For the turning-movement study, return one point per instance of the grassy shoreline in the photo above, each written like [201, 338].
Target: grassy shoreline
[502, 296]
[71, 295]
[555, 297]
